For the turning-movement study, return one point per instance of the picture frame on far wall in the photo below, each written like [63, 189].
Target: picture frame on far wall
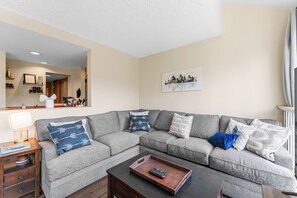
[29, 79]
[184, 80]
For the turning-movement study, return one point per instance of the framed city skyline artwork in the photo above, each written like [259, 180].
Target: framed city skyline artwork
[184, 80]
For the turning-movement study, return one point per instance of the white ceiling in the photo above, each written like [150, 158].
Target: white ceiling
[18, 43]
[136, 27]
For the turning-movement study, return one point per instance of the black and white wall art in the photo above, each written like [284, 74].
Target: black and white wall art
[185, 80]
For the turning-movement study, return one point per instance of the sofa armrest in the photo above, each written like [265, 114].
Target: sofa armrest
[283, 158]
[48, 150]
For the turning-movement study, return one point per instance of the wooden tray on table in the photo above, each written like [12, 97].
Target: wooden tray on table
[175, 178]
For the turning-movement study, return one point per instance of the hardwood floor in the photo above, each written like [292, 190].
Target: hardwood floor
[97, 189]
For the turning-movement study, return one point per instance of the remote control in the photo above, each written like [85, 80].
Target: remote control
[158, 173]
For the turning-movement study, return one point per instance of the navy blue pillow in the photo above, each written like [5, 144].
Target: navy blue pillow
[223, 140]
[139, 123]
[69, 137]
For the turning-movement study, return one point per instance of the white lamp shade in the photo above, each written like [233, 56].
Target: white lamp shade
[20, 120]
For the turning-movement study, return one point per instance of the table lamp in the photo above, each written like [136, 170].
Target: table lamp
[18, 121]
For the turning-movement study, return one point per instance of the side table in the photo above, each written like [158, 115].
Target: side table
[19, 180]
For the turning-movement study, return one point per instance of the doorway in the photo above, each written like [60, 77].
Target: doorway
[57, 84]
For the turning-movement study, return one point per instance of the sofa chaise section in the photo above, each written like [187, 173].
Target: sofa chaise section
[252, 167]
[64, 174]
[75, 160]
[64, 186]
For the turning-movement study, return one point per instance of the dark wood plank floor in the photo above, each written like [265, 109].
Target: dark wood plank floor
[97, 189]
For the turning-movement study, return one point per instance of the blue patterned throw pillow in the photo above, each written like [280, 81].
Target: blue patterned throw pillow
[139, 123]
[223, 140]
[69, 136]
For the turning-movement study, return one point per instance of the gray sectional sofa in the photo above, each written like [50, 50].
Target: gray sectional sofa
[113, 143]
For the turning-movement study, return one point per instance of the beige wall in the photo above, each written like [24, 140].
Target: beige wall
[2, 78]
[241, 68]
[113, 76]
[20, 95]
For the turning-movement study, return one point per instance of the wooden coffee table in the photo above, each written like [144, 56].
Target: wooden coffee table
[123, 183]
[269, 192]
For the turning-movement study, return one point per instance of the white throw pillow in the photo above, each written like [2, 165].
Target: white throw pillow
[84, 123]
[267, 139]
[181, 126]
[242, 130]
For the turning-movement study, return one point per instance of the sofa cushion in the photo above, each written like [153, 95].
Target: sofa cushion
[249, 166]
[140, 133]
[42, 130]
[153, 115]
[119, 141]
[104, 123]
[124, 119]
[75, 160]
[193, 149]
[283, 158]
[224, 121]
[157, 140]
[48, 150]
[204, 126]
[164, 120]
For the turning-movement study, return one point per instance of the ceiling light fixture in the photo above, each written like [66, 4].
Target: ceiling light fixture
[35, 53]
[45, 63]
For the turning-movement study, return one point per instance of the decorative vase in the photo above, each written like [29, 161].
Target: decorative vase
[49, 104]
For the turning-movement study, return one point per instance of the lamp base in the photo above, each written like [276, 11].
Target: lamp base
[20, 136]
[18, 141]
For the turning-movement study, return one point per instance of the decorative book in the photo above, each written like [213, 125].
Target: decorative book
[14, 147]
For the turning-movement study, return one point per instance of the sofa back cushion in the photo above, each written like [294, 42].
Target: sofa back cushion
[104, 123]
[224, 121]
[204, 126]
[124, 119]
[164, 120]
[153, 115]
[43, 132]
